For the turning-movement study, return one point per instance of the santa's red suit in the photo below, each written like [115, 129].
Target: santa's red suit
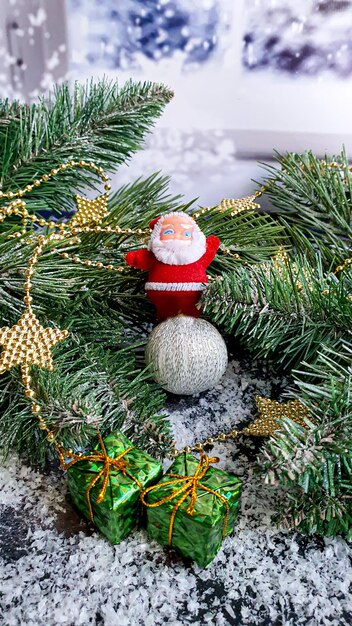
[174, 289]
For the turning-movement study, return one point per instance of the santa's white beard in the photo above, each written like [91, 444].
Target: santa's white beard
[179, 252]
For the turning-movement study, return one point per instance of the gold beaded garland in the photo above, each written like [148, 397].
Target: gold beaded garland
[238, 205]
[343, 265]
[89, 212]
[28, 343]
[265, 425]
[89, 263]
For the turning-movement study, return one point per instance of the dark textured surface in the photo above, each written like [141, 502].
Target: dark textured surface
[13, 534]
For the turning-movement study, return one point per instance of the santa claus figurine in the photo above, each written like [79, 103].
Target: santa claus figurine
[176, 259]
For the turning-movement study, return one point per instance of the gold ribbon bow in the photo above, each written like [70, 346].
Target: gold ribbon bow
[102, 457]
[189, 488]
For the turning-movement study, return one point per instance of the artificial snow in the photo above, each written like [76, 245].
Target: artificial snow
[57, 571]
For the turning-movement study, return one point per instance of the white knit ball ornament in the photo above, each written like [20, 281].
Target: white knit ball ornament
[188, 355]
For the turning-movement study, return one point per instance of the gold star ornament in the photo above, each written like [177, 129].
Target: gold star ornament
[269, 411]
[89, 212]
[28, 343]
[239, 205]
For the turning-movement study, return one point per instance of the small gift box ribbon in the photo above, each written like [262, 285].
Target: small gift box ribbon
[188, 488]
[102, 457]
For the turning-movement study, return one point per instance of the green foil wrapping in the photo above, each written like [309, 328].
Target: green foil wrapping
[198, 536]
[119, 512]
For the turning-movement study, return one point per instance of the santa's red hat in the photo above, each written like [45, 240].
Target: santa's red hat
[153, 222]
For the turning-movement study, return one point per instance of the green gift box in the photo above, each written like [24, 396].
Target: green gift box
[105, 484]
[193, 507]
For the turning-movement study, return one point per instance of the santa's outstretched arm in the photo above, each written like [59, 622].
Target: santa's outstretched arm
[142, 259]
[213, 244]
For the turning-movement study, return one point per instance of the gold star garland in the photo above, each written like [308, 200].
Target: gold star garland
[238, 205]
[29, 344]
[265, 425]
[343, 265]
[89, 212]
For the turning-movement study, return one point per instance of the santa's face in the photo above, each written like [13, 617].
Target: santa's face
[177, 240]
[177, 228]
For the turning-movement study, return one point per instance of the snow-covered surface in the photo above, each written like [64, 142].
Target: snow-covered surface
[57, 571]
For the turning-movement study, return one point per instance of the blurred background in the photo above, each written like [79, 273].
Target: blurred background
[249, 76]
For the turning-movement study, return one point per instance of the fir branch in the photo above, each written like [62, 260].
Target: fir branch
[282, 313]
[96, 380]
[98, 122]
[254, 236]
[58, 281]
[314, 464]
[90, 386]
[313, 202]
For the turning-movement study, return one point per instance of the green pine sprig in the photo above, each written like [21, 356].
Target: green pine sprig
[295, 312]
[313, 201]
[314, 464]
[283, 312]
[98, 121]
